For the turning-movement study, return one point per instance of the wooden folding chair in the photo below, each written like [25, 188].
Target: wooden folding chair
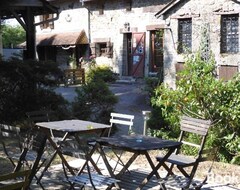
[122, 120]
[16, 180]
[199, 128]
[11, 141]
[87, 176]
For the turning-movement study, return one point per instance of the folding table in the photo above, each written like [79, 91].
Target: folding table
[69, 128]
[138, 145]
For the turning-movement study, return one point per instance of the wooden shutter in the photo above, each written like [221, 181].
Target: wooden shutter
[227, 72]
[93, 49]
[109, 49]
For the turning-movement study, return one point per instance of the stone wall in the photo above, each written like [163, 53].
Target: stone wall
[110, 24]
[202, 12]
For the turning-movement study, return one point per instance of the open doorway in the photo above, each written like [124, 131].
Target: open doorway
[156, 52]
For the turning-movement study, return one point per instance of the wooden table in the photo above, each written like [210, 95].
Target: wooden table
[69, 128]
[138, 145]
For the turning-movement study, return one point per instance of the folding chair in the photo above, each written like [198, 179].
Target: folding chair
[9, 138]
[15, 180]
[188, 125]
[87, 177]
[121, 120]
[30, 141]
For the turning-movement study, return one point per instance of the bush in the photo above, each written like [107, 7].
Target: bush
[200, 94]
[27, 86]
[100, 73]
[94, 100]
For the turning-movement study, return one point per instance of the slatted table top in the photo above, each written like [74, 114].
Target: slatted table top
[137, 142]
[72, 125]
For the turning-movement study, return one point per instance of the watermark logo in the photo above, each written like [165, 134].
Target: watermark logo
[223, 179]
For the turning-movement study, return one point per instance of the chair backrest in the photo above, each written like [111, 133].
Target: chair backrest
[122, 119]
[15, 180]
[12, 133]
[195, 126]
[9, 131]
[38, 116]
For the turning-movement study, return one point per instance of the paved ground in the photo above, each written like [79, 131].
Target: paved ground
[133, 100]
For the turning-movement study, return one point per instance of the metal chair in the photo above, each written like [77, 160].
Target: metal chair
[121, 120]
[28, 141]
[193, 126]
[87, 176]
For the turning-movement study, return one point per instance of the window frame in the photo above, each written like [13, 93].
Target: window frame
[229, 42]
[49, 24]
[184, 35]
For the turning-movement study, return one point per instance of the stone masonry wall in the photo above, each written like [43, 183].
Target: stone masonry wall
[112, 21]
[202, 12]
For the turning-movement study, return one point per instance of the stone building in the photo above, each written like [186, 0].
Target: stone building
[140, 38]
[121, 33]
[189, 23]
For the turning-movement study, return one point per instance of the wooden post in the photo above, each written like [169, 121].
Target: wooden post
[30, 34]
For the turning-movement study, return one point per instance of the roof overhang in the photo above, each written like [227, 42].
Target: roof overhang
[13, 8]
[169, 6]
[61, 39]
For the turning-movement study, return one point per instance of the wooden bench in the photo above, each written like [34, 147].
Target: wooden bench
[74, 76]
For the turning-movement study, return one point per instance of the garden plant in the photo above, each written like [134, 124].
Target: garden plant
[199, 93]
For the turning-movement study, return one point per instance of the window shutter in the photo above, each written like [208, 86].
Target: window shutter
[109, 49]
[97, 50]
[41, 19]
[93, 49]
[51, 24]
[227, 72]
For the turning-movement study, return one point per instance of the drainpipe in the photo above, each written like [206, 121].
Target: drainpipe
[89, 23]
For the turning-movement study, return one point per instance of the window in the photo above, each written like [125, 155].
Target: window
[46, 25]
[184, 35]
[229, 33]
[99, 49]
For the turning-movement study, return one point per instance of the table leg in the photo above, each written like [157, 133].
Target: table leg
[89, 158]
[128, 164]
[151, 164]
[155, 169]
[57, 151]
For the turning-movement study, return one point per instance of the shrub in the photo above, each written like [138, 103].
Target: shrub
[94, 102]
[200, 94]
[27, 86]
[100, 73]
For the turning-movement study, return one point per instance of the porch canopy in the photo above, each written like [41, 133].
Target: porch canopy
[60, 39]
[25, 11]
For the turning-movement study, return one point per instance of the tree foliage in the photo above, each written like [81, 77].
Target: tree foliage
[28, 86]
[12, 35]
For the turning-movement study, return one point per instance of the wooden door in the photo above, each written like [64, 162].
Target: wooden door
[156, 51]
[138, 54]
